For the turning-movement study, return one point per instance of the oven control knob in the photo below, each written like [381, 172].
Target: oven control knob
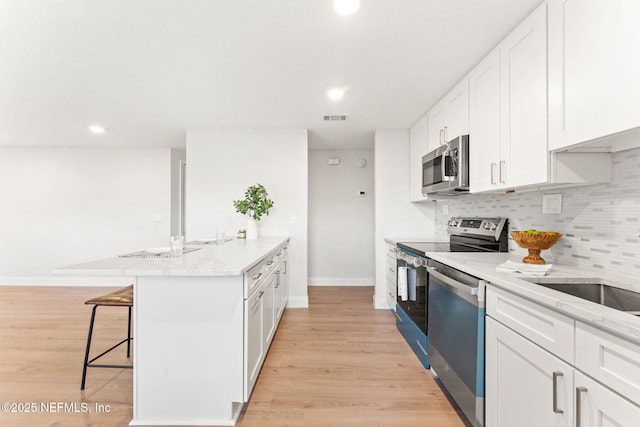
[453, 223]
[486, 226]
[494, 226]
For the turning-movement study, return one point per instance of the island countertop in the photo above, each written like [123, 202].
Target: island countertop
[231, 259]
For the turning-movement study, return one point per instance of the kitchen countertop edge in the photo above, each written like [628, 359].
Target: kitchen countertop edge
[231, 259]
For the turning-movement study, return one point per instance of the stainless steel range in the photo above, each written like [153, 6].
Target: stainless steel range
[423, 308]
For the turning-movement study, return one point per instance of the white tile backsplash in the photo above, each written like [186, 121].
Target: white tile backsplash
[600, 223]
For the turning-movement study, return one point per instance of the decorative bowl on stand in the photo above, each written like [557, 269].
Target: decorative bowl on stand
[535, 241]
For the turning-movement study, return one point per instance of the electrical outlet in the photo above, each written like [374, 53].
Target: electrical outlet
[552, 204]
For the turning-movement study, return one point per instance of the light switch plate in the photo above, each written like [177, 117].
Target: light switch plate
[552, 204]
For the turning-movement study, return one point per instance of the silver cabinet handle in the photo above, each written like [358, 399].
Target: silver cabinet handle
[493, 173]
[579, 391]
[269, 262]
[256, 276]
[555, 392]
[398, 317]
[503, 171]
[445, 135]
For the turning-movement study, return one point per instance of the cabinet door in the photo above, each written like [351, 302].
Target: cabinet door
[284, 281]
[484, 125]
[254, 340]
[268, 319]
[520, 382]
[418, 136]
[596, 405]
[523, 76]
[277, 296]
[436, 122]
[594, 66]
[457, 104]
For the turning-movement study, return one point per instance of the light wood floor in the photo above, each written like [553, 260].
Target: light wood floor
[338, 363]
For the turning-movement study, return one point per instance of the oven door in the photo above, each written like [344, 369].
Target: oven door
[413, 301]
[456, 338]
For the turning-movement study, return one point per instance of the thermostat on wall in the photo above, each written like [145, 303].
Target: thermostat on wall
[333, 161]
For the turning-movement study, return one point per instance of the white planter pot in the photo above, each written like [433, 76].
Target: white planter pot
[252, 229]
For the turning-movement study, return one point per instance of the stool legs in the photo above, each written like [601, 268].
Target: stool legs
[89, 363]
[129, 335]
[86, 353]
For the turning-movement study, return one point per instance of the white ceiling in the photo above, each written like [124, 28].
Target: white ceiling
[148, 70]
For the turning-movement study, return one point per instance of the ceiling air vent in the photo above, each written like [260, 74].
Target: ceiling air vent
[335, 117]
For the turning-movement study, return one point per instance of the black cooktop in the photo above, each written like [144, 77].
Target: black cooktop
[420, 248]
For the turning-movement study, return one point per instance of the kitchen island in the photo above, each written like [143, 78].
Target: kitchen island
[203, 323]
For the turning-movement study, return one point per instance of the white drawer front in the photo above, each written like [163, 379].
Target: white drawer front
[547, 328]
[613, 361]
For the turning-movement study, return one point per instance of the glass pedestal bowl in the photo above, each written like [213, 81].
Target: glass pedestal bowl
[535, 242]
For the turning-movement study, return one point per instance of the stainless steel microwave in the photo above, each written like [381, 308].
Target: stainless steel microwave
[445, 170]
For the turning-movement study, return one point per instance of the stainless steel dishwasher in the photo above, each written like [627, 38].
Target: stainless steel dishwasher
[456, 336]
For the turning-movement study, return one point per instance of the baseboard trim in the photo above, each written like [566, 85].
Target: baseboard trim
[341, 281]
[380, 304]
[298, 302]
[66, 281]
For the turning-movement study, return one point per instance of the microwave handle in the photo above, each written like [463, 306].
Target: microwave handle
[443, 165]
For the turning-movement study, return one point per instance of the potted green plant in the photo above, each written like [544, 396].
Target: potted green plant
[255, 205]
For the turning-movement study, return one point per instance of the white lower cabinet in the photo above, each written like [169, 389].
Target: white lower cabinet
[254, 340]
[262, 312]
[597, 405]
[526, 385]
[269, 319]
[392, 275]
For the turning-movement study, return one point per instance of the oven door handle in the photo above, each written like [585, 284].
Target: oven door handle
[466, 292]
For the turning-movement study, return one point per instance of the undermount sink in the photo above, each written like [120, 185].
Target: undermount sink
[600, 293]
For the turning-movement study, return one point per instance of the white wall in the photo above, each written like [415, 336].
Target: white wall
[221, 164]
[341, 222]
[396, 216]
[63, 206]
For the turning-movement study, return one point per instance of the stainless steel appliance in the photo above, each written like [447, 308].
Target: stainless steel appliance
[445, 170]
[456, 336]
[412, 303]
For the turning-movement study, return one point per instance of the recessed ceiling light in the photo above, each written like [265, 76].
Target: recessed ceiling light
[336, 93]
[97, 129]
[346, 7]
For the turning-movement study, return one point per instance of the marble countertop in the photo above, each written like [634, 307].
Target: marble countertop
[396, 240]
[483, 266]
[231, 259]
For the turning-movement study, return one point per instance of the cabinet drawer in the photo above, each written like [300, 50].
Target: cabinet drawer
[391, 272]
[611, 360]
[391, 290]
[547, 328]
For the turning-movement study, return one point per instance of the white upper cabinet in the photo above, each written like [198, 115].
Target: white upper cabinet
[594, 69]
[449, 118]
[484, 123]
[508, 110]
[508, 120]
[523, 91]
[419, 147]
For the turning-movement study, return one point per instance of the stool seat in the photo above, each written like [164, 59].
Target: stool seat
[122, 297]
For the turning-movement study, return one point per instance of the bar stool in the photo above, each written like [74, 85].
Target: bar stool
[120, 298]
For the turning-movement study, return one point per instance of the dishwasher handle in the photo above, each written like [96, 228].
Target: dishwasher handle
[466, 292]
